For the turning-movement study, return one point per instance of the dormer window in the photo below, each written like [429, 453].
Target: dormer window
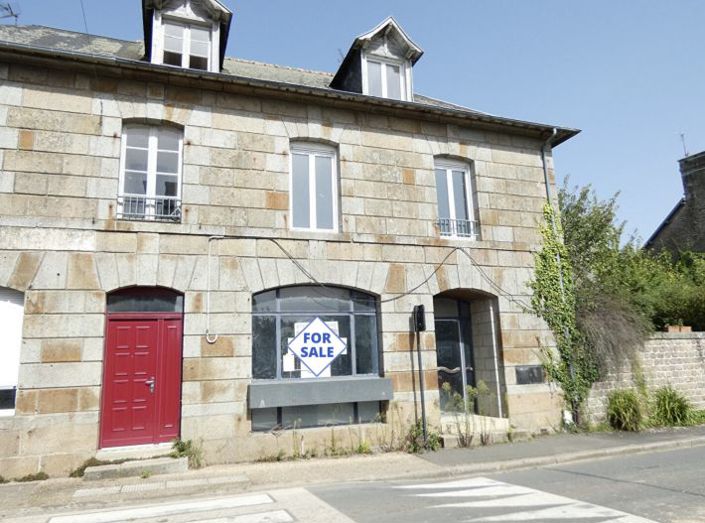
[379, 63]
[191, 34]
[187, 45]
[385, 79]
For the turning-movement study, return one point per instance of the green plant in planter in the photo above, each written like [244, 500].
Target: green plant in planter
[624, 410]
[671, 408]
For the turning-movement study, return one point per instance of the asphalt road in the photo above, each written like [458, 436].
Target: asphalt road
[666, 487]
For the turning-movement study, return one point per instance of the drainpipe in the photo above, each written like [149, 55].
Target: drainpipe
[210, 339]
[496, 358]
[547, 143]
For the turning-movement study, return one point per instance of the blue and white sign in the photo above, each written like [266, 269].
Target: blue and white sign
[316, 346]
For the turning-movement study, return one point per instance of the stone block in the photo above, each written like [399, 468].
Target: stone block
[82, 272]
[17, 467]
[25, 268]
[38, 375]
[52, 401]
[154, 466]
[223, 346]
[60, 350]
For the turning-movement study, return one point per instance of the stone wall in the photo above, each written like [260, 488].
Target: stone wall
[61, 244]
[675, 359]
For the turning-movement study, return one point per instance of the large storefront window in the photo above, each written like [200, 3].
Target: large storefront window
[279, 316]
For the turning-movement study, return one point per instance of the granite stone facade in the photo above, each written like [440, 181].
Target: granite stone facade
[62, 245]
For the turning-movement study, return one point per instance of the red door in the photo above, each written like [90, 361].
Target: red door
[141, 401]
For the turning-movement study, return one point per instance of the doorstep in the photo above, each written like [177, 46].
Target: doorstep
[134, 452]
[139, 468]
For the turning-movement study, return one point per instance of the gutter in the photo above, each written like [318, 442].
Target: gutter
[562, 133]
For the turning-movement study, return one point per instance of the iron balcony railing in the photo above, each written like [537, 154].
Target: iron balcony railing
[140, 207]
[458, 228]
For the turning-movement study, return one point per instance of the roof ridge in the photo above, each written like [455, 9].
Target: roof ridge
[72, 32]
[287, 67]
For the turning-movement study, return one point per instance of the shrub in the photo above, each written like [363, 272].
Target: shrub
[414, 439]
[671, 408]
[624, 410]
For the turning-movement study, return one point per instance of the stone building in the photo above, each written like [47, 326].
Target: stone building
[684, 227]
[172, 219]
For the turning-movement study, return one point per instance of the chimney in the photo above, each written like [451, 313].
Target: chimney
[693, 176]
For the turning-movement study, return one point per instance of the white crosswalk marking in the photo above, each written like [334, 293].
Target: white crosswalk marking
[114, 516]
[486, 493]
[273, 516]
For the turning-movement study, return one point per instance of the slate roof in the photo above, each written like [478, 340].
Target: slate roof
[51, 39]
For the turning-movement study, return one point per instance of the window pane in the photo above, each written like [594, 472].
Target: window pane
[366, 344]
[374, 78]
[342, 365]
[200, 35]
[7, 398]
[291, 365]
[393, 82]
[318, 415]
[324, 192]
[173, 45]
[167, 185]
[135, 183]
[461, 206]
[136, 159]
[264, 302]
[314, 299]
[264, 419]
[169, 139]
[300, 188]
[167, 162]
[197, 62]
[173, 30]
[137, 136]
[172, 58]
[200, 49]
[442, 192]
[145, 300]
[264, 347]
[363, 302]
[368, 411]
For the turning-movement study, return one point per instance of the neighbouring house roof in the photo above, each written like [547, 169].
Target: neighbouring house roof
[666, 221]
[55, 42]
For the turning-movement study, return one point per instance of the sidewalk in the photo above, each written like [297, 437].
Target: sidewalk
[27, 499]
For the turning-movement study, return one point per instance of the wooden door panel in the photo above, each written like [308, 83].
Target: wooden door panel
[138, 350]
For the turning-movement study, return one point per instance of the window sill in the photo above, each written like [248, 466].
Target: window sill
[264, 394]
[7, 413]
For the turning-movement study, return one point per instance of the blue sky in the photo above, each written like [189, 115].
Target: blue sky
[631, 75]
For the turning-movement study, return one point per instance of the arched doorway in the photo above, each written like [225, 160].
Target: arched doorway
[141, 399]
[468, 353]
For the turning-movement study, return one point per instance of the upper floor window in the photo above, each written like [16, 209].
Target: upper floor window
[150, 173]
[186, 45]
[314, 187]
[385, 79]
[456, 214]
[11, 316]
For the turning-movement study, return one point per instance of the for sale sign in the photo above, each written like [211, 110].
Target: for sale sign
[317, 346]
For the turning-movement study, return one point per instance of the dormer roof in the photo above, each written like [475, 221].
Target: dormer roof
[391, 30]
[209, 9]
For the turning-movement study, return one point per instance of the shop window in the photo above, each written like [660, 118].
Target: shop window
[279, 315]
[11, 317]
[150, 173]
[314, 187]
[456, 214]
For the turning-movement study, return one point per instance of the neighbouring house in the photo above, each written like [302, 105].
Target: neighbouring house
[684, 227]
[216, 249]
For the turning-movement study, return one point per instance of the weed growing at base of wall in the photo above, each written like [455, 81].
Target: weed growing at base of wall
[188, 449]
[624, 410]
[671, 408]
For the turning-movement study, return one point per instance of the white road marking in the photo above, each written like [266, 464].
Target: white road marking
[273, 516]
[120, 515]
[498, 495]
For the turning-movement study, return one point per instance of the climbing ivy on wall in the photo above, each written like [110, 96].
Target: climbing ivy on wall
[571, 365]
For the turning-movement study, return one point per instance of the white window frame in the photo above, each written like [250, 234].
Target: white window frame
[449, 166]
[186, 21]
[404, 73]
[313, 150]
[152, 150]
[11, 364]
